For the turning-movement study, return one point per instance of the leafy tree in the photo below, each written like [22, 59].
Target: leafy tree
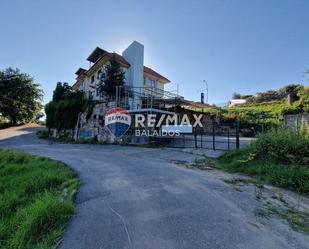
[269, 95]
[20, 97]
[62, 112]
[50, 110]
[61, 90]
[304, 99]
[236, 95]
[291, 89]
[114, 77]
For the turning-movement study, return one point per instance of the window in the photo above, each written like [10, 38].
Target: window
[152, 83]
[99, 73]
[92, 78]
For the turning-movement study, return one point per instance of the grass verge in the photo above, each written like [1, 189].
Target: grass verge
[290, 176]
[36, 200]
[279, 157]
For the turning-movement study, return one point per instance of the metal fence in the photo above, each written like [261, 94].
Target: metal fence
[219, 137]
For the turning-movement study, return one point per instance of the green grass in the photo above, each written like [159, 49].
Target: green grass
[279, 157]
[291, 176]
[36, 200]
[297, 219]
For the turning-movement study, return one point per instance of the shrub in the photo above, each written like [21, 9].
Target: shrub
[282, 145]
[42, 134]
[62, 112]
[279, 156]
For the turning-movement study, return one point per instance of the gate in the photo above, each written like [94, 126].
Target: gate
[223, 136]
[218, 137]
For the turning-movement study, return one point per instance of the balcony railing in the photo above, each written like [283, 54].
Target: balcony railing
[151, 92]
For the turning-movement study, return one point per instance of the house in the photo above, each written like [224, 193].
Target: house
[237, 102]
[140, 81]
[143, 92]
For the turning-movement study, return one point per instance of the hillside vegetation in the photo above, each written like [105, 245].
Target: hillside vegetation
[264, 110]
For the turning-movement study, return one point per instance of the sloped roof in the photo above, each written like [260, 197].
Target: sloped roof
[150, 71]
[119, 58]
[96, 54]
[80, 71]
[99, 54]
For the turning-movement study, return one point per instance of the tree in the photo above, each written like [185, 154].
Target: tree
[291, 89]
[114, 77]
[62, 112]
[20, 97]
[236, 95]
[304, 99]
[61, 90]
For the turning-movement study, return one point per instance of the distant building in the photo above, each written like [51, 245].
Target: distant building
[237, 102]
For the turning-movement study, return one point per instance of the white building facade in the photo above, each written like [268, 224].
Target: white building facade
[140, 79]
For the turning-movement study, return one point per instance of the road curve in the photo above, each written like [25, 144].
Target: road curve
[135, 198]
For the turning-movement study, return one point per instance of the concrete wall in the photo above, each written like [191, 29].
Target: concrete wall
[296, 121]
[134, 54]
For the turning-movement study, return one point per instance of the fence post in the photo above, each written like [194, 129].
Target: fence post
[237, 134]
[228, 139]
[213, 135]
[195, 138]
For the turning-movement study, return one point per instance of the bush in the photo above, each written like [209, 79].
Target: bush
[279, 157]
[42, 134]
[300, 106]
[62, 112]
[282, 145]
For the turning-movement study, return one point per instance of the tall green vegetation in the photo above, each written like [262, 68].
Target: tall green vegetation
[279, 156]
[62, 112]
[36, 200]
[301, 105]
[259, 116]
[20, 97]
[114, 78]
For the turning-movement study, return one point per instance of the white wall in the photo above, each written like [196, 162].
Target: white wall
[134, 54]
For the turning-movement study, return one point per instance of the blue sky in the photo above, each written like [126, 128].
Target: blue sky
[236, 45]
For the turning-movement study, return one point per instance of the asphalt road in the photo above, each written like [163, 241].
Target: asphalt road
[135, 198]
